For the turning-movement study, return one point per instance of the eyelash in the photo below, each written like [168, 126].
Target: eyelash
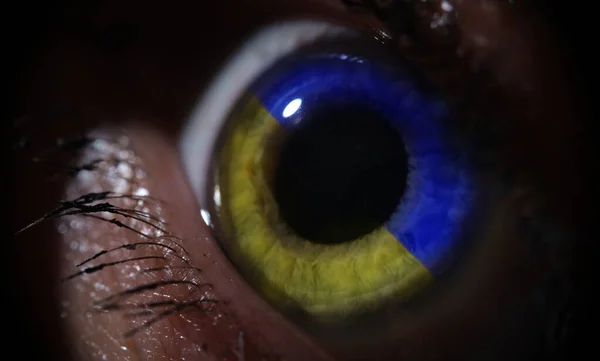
[91, 205]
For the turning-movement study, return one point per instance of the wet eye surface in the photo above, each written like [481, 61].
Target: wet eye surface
[335, 187]
[356, 180]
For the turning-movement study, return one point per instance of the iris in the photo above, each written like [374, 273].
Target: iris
[339, 189]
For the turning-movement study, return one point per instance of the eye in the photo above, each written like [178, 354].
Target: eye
[332, 185]
[364, 192]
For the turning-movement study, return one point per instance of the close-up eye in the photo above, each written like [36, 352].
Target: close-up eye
[299, 180]
[331, 184]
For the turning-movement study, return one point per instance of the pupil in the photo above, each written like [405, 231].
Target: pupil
[340, 174]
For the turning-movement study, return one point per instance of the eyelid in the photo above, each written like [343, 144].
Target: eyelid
[262, 50]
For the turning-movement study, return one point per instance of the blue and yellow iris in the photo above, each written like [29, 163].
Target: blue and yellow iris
[392, 263]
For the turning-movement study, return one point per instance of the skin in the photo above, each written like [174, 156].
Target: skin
[136, 69]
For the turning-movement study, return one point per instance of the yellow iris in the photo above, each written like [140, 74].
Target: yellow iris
[292, 272]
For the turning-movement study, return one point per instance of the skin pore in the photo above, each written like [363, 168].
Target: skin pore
[128, 74]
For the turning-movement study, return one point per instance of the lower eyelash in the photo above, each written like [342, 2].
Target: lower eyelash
[105, 160]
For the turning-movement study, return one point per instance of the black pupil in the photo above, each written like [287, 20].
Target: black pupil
[340, 175]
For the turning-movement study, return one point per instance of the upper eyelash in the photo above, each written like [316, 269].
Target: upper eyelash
[88, 205]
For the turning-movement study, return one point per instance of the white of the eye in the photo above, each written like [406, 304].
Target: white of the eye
[256, 55]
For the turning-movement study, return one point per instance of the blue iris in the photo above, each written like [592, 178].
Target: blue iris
[429, 219]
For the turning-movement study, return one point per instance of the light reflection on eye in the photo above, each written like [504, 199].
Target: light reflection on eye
[292, 108]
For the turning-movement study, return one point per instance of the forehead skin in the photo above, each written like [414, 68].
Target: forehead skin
[138, 67]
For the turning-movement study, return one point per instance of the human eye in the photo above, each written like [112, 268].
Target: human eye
[304, 180]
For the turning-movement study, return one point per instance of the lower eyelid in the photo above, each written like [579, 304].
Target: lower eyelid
[84, 237]
[148, 158]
